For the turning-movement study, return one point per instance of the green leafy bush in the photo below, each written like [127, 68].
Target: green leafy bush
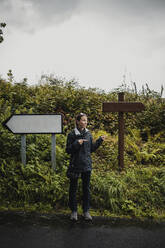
[36, 183]
[137, 191]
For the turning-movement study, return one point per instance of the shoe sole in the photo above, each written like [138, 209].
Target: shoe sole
[87, 218]
[74, 219]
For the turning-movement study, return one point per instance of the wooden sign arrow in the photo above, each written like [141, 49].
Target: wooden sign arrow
[34, 123]
[123, 106]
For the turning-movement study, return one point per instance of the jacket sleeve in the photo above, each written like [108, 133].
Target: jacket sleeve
[95, 145]
[72, 144]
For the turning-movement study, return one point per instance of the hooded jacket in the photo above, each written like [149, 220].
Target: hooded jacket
[80, 159]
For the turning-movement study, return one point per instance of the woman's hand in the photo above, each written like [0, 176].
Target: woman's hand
[81, 141]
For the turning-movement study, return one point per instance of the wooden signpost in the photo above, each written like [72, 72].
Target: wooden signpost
[122, 107]
[35, 124]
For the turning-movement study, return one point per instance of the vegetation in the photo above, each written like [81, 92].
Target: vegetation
[137, 191]
[2, 25]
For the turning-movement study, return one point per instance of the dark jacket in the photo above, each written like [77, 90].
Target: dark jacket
[80, 159]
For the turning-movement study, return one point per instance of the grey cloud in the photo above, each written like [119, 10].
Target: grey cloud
[54, 7]
[129, 9]
[55, 10]
[131, 6]
[33, 15]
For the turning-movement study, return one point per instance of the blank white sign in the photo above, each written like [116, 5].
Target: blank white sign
[24, 124]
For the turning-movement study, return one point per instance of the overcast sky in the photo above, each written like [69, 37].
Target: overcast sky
[99, 43]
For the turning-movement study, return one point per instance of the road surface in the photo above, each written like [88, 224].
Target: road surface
[20, 230]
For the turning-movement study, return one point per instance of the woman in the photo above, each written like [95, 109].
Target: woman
[79, 146]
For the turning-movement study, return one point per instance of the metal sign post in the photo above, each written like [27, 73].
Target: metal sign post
[53, 151]
[122, 107]
[35, 124]
[23, 149]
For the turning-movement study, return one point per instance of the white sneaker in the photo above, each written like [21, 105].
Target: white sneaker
[73, 216]
[87, 216]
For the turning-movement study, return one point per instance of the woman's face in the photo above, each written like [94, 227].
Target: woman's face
[82, 123]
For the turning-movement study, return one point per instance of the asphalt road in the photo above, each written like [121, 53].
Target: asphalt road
[22, 230]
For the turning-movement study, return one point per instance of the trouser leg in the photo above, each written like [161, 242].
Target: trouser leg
[86, 190]
[72, 194]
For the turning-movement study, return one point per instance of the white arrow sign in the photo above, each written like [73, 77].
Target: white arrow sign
[33, 124]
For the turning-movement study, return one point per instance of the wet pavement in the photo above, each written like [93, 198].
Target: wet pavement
[23, 230]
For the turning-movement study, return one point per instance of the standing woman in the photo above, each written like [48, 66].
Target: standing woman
[80, 146]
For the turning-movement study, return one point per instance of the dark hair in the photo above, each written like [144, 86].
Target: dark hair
[78, 118]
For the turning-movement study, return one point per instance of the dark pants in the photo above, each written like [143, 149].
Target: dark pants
[85, 176]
